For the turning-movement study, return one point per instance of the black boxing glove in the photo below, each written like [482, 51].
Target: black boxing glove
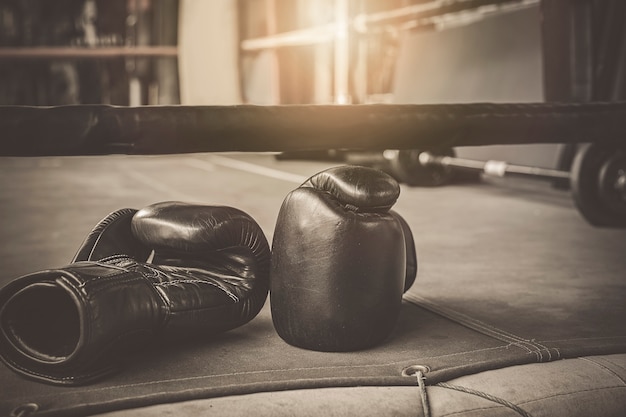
[208, 274]
[341, 260]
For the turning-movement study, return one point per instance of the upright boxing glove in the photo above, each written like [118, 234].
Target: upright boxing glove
[208, 274]
[341, 260]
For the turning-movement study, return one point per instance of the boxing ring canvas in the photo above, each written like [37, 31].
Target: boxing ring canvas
[518, 306]
[508, 278]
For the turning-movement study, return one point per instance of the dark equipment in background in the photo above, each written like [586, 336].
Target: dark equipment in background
[120, 52]
[583, 49]
[583, 46]
[597, 178]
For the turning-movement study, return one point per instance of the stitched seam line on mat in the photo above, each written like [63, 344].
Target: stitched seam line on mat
[475, 324]
[122, 400]
[604, 367]
[613, 363]
[198, 281]
[471, 322]
[269, 371]
[484, 328]
[474, 364]
[585, 338]
[565, 394]
[486, 396]
[464, 412]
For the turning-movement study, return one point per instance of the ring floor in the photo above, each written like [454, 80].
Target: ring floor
[505, 267]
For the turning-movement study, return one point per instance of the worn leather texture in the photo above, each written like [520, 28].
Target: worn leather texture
[68, 326]
[339, 261]
[112, 235]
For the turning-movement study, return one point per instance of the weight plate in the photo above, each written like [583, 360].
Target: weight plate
[595, 182]
[407, 168]
[612, 183]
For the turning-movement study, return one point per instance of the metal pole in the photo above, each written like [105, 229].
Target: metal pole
[492, 168]
[83, 52]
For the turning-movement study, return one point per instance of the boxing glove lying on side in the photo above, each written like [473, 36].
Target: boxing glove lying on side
[208, 274]
[341, 260]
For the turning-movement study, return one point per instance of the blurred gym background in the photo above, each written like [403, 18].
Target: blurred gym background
[267, 52]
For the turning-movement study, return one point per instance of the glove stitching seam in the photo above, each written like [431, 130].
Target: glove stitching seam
[98, 279]
[114, 284]
[157, 273]
[198, 281]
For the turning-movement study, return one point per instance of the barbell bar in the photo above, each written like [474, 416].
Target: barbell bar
[492, 168]
[597, 178]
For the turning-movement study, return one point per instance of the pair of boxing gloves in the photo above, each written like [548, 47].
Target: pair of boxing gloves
[339, 263]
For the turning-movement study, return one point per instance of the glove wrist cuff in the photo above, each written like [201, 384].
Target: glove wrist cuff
[66, 325]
